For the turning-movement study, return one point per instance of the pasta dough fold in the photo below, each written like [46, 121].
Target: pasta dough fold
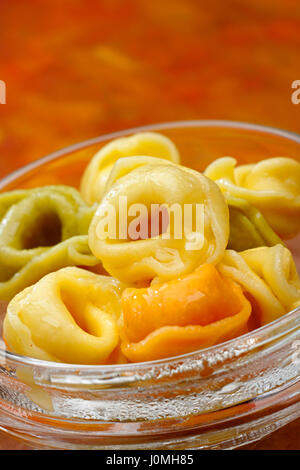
[248, 227]
[269, 275]
[150, 144]
[68, 316]
[272, 186]
[41, 230]
[180, 247]
[126, 165]
[196, 311]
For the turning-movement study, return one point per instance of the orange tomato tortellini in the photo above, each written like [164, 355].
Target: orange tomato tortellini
[68, 316]
[180, 247]
[272, 186]
[180, 316]
[150, 144]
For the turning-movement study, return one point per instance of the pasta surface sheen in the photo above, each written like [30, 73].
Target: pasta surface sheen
[41, 230]
[173, 187]
[272, 186]
[269, 274]
[150, 144]
[150, 259]
[190, 313]
[68, 316]
[248, 227]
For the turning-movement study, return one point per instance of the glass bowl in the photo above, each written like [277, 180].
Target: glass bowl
[222, 397]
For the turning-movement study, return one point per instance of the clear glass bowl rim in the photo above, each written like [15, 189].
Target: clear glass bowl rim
[264, 333]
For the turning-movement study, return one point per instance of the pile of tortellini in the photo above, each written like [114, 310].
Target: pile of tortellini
[157, 296]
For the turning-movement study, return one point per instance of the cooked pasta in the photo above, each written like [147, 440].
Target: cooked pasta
[9, 198]
[190, 259]
[125, 165]
[72, 252]
[41, 230]
[272, 186]
[248, 227]
[68, 316]
[143, 143]
[269, 275]
[176, 249]
[182, 315]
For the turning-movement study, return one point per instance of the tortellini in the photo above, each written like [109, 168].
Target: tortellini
[41, 230]
[269, 274]
[183, 243]
[248, 227]
[69, 316]
[9, 198]
[125, 165]
[190, 259]
[97, 172]
[182, 315]
[272, 186]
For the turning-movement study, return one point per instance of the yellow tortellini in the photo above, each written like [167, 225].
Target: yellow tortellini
[125, 165]
[97, 172]
[272, 186]
[248, 227]
[173, 251]
[69, 316]
[185, 253]
[269, 274]
[41, 230]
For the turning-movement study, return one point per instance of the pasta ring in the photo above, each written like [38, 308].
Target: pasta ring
[41, 230]
[272, 186]
[248, 227]
[151, 144]
[157, 258]
[68, 316]
[269, 274]
[126, 165]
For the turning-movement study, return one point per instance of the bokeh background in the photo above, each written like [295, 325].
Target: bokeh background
[75, 69]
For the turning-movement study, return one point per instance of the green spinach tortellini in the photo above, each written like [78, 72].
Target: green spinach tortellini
[248, 227]
[41, 230]
[168, 254]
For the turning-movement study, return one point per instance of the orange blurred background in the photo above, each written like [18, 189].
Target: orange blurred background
[75, 69]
